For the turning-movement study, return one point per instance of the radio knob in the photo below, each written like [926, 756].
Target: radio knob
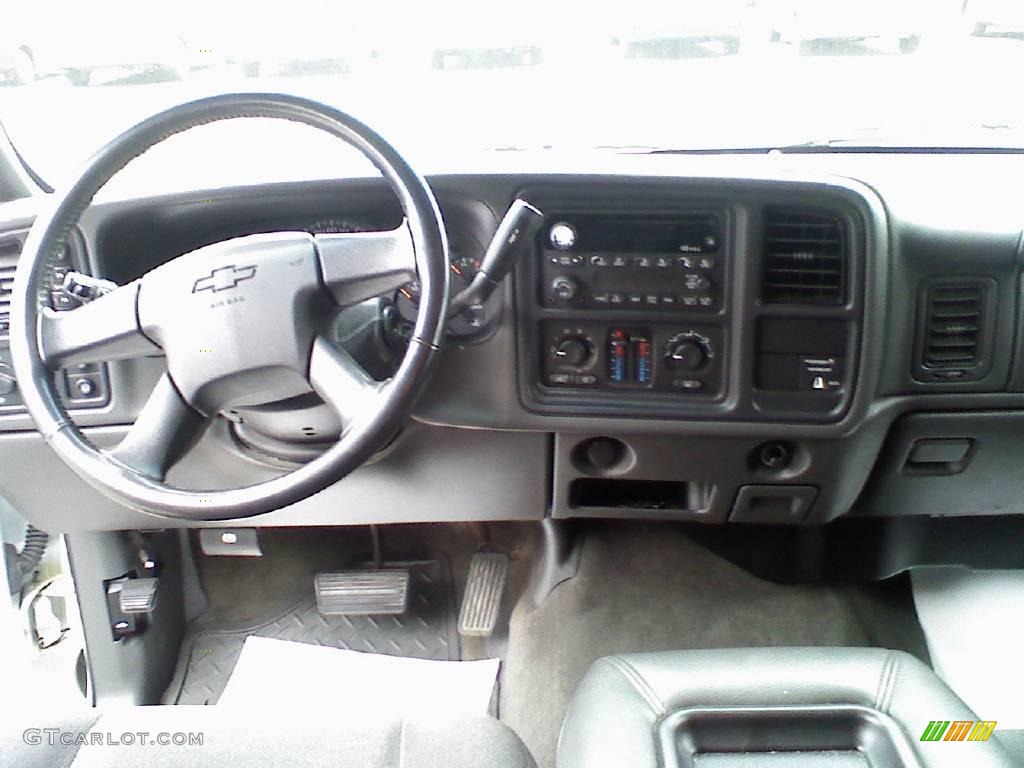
[562, 236]
[686, 352]
[574, 351]
[564, 288]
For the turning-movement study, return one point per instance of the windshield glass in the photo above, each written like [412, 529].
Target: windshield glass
[459, 76]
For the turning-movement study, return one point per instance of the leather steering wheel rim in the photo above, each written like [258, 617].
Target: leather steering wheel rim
[31, 320]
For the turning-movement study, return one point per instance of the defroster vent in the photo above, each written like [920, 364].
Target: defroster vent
[805, 258]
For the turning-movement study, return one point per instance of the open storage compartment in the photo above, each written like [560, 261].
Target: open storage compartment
[783, 737]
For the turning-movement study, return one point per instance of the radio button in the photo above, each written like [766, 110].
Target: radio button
[691, 385]
[697, 283]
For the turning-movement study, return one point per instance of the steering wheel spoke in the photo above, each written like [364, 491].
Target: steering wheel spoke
[341, 382]
[361, 265]
[165, 430]
[104, 329]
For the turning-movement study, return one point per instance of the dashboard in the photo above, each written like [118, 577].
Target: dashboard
[726, 340]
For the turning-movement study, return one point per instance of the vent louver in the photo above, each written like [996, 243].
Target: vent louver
[805, 258]
[955, 319]
[10, 248]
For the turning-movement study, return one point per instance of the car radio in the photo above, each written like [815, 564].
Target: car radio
[633, 262]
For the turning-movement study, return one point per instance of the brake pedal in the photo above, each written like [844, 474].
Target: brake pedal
[362, 593]
[484, 587]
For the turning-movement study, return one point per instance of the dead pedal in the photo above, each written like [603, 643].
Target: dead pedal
[362, 593]
[481, 603]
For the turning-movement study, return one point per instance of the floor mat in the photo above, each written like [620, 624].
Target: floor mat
[277, 673]
[651, 588]
[426, 631]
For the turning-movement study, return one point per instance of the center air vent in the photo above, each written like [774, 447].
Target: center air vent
[805, 258]
[954, 329]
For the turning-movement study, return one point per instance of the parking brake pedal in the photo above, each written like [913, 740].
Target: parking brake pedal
[362, 593]
[482, 600]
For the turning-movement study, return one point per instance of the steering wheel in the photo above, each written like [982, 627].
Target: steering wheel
[240, 322]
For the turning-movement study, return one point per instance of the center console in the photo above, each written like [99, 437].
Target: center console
[771, 708]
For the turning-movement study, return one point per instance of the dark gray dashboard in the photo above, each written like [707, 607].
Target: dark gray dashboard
[926, 242]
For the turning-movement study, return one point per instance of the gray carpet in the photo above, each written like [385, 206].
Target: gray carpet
[650, 588]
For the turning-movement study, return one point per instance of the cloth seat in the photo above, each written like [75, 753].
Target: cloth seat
[235, 736]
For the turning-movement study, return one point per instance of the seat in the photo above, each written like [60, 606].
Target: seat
[724, 708]
[233, 736]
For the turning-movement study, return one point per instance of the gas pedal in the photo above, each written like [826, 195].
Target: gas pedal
[482, 600]
[362, 593]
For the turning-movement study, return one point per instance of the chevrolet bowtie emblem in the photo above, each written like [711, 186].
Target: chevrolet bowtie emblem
[224, 278]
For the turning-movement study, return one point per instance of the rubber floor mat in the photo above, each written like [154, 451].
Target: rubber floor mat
[427, 630]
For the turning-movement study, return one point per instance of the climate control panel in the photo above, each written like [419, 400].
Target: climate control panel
[670, 357]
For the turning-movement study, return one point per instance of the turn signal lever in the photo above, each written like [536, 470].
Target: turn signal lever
[516, 231]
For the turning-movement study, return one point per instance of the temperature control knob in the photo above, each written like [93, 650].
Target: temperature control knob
[573, 351]
[686, 352]
[564, 288]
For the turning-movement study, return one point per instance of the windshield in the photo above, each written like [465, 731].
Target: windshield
[460, 76]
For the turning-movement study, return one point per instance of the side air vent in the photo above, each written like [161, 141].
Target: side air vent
[955, 330]
[805, 258]
[10, 249]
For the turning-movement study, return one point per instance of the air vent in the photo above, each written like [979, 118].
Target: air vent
[954, 328]
[10, 249]
[805, 258]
